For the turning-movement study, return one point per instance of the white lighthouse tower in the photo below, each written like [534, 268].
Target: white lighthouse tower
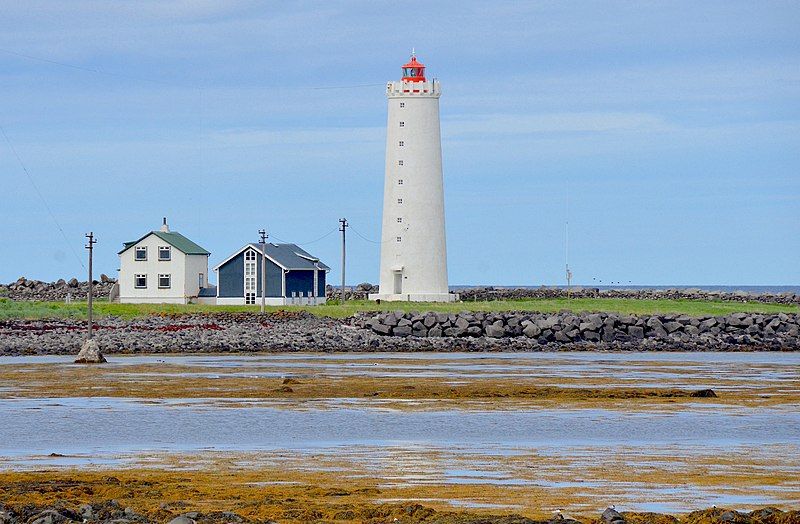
[413, 248]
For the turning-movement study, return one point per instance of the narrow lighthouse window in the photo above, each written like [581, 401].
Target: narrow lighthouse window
[402, 124]
[399, 220]
[402, 104]
[401, 143]
[399, 181]
[399, 239]
[399, 162]
[399, 200]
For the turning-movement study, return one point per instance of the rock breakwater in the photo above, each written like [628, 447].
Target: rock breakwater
[37, 290]
[602, 330]
[502, 293]
[302, 331]
[112, 512]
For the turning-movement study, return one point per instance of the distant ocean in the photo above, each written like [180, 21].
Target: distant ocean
[749, 289]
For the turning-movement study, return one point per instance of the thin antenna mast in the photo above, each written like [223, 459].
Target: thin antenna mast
[566, 249]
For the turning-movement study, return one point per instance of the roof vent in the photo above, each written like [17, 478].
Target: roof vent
[164, 226]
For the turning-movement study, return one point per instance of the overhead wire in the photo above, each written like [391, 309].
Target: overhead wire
[309, 242]
[367, 239]
[41, 197]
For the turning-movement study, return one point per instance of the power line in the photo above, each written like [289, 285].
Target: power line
[367, 239]
[345, 87]
[326, 235]
[82, 68]
[41, 197]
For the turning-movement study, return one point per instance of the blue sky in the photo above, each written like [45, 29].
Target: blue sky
[667, 133]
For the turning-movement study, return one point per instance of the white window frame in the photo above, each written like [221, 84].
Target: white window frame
[250, 283]
[401, 143]
[140, 249]
[399, 220]
[399, 162]
[168, 276]
[136, 278]
[399, 239]
[399, 200]
[402, 124]
[168, 250]
[399, 181]
[201, 280]
[402, 104]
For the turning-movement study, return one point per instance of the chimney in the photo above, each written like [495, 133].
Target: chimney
[164, 226]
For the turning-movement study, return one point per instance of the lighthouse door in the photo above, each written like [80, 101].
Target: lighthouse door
[398, 282]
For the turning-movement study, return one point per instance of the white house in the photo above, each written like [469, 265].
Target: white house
[162, 267]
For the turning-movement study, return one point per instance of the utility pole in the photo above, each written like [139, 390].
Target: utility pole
[343, 227]
[90, 246]
[263, 234]
[566, 258]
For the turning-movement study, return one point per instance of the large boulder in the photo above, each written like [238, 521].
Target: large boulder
[90, 353]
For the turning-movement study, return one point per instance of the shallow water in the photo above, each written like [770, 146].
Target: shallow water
[474, 445]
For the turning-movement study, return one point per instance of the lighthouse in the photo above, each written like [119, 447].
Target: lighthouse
[413, 247]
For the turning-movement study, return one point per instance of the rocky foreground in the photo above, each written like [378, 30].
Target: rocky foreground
[302, 331]
[112, 512]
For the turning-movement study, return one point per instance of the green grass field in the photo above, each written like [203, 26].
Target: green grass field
[35, 310]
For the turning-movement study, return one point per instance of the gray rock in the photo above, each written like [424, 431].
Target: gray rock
[495, 330]
[183, 519]
[612, 516]
[401, 331]
[90, 353]
[382, 329]
[531, 330]
[636, 332]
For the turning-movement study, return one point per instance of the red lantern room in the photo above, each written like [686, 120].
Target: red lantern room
[413, 71]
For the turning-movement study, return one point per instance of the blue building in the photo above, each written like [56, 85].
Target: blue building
[293, 276]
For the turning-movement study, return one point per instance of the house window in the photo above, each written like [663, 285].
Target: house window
[164, 281]
[399, 239]
[402, 124]
[400, 182]
[401, 143]
[250, 277]
[402, 104]
[399, 220]
[141, 253]
[399, 200]
[140, 281]
[399, 162]
[164, 253]
[200, 280]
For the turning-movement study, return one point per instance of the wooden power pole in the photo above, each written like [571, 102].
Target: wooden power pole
[343, 227]
[90, 246]
[263, 234]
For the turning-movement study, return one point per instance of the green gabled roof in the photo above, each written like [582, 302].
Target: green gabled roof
[172, 238]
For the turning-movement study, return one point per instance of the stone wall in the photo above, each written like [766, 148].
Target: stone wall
[606, 330]
[24, 289]
[361, 291]
[491, 293]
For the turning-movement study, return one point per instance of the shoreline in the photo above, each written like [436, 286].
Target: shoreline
[295, 331]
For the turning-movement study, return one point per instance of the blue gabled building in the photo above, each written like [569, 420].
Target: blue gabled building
[293, 276]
